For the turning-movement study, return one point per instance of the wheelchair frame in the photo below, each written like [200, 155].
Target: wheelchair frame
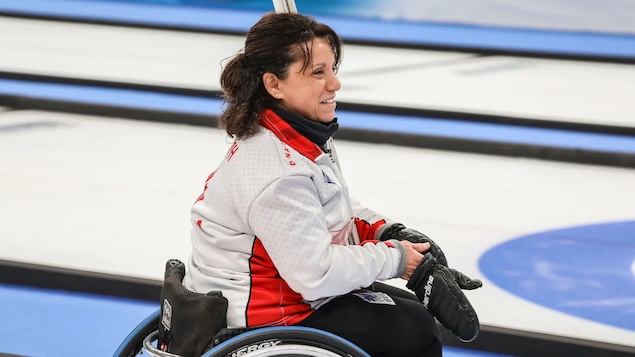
[261, 342]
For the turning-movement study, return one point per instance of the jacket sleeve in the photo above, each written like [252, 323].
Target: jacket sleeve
[288, 219]
[369, 223]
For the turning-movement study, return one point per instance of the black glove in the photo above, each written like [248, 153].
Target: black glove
[399, 232]
[436, 286]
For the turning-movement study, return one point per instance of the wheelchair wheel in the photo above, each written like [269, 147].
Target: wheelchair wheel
[286, 341]
[133, 344]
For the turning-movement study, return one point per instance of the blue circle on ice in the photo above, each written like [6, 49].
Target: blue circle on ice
[587, 271]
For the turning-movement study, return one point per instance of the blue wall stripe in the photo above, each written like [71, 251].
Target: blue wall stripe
[418, 33]
[136, 99]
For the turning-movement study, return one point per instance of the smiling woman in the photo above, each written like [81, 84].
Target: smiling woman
[275, 229]
[309, 88]
[293, 71]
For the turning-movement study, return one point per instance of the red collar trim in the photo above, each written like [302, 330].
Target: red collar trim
[288, 135]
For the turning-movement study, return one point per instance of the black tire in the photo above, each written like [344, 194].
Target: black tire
[286, 341]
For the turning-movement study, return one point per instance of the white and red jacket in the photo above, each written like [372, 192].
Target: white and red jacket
[276, 231]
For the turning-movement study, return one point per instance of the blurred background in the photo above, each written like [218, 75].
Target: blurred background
[504, 130]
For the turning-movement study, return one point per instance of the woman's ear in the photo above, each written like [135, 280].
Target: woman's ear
[272, 84]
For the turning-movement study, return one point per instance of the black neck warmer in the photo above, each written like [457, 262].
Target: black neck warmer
[315, 131]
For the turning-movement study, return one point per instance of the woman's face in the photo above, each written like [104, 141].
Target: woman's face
[311, 93]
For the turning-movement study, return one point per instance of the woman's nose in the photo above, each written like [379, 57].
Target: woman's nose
[334, 83]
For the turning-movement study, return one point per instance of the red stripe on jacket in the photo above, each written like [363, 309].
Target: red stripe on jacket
[270, 120]
[366, 230]
[271, 300]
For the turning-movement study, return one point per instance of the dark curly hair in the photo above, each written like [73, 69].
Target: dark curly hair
[272, 44]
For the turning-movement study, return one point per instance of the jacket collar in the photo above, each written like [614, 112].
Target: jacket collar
[270, 120]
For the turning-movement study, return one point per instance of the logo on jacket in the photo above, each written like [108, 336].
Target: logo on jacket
[287, 154]
[232, 151]
[327, 179]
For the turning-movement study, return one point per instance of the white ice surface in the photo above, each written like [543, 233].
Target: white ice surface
[113, 196]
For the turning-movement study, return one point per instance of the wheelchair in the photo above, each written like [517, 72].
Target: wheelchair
[248, 342]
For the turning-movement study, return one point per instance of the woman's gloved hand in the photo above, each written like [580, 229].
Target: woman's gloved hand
[399, 232]
[437, 287]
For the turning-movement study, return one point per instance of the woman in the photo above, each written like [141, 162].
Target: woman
[275, 229]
